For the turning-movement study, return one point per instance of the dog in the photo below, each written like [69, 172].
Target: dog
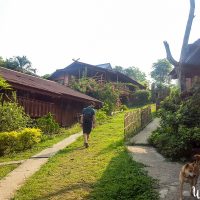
[189, 174]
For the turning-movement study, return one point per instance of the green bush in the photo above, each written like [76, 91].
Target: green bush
[107, 92]
[101, 117]
[179, 133]
[176, 146]
[12, 117]
[18, 141]
[29, 136]
[123, 107]
[47, 124]
[141, 97]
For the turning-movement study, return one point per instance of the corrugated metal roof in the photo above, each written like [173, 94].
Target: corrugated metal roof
[42, 84]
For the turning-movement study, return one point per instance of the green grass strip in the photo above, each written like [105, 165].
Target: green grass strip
[104, 171]
[5, 169]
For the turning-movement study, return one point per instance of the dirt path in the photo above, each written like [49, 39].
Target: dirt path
[157, 166]
[15, 179]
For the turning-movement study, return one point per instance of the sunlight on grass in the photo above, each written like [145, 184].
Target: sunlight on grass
[4, 170]
[104, 171]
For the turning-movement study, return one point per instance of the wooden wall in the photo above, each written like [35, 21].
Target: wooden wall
[65, 111]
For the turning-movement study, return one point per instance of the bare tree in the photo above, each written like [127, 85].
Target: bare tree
[179, 65]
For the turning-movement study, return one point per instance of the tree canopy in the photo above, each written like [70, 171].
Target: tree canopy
[18, 63]
[160, 72]
[21, 64]
[132, 72]
[2, 62]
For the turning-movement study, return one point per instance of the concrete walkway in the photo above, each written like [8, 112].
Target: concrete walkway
[167, 173]
[15, 179]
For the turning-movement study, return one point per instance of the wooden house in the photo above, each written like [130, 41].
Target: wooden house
[39, 96]
[190, 65]
[101, 73]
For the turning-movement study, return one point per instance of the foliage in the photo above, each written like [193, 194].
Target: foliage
[101, 116]
[19, 63]
[132, 72]
[140, 98]
[46, 141]
[4, 85]
[160, 71]
[29, 137]
[2, 62]
[15, 141]
[46, 76]
[160, 74]
[12, 117]
[123, 107]
[107, 92]
[47, 124]
[179, 133]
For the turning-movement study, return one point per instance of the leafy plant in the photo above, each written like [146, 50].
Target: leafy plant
[47, 124]
[15, 141]
[179, 133]
[4, 85]
[140, 98]
[107, 92]
[12, 117]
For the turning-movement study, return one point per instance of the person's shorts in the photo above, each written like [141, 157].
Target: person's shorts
[87, 127]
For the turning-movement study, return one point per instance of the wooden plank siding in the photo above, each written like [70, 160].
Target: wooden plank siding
[65, 113]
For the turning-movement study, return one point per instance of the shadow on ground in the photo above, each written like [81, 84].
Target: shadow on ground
[123, 179]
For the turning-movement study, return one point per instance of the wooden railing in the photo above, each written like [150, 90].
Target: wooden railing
[135, 120]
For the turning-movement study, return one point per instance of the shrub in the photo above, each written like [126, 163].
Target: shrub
[28, 137]
[141, 97]
[12, 117]
[123, 107]
[179, 133]
[47, 124]
[107, 92]
[17, 141]
[101, 117]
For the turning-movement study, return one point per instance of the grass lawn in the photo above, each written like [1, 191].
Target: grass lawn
[4, 170]
[104, 171]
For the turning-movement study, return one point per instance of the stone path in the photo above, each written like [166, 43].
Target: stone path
[167, 173]
[15, 179]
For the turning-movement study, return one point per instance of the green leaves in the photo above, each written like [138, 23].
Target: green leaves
[132, 72]
[180, 125]
[105, 92]
[47, 124]
[160, 72]
[4, 85]
[12, 117]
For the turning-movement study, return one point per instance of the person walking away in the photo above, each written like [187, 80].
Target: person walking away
[88, 122]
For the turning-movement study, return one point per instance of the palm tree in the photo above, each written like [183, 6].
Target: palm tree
[21, 64]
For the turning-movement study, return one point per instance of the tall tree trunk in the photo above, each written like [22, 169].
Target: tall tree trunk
[181, 77]
[179, 65]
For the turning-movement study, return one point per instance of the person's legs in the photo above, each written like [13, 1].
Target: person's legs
[86, 137]
[87, 127]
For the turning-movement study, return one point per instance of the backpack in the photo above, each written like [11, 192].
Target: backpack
[87, 114]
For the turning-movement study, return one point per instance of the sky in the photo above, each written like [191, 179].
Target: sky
[121, 32]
